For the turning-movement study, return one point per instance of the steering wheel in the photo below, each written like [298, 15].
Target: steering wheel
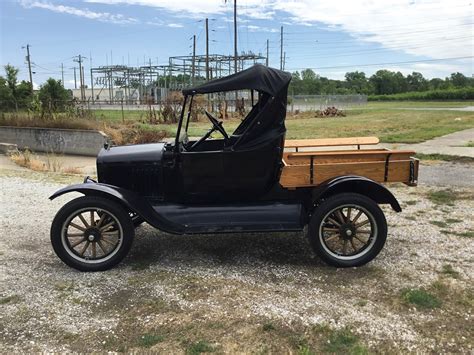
[216, 126]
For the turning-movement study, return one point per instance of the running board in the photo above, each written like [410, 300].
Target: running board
[264, 217]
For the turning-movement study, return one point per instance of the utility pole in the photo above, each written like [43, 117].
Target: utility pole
[266, 60]
[207, 49]
[62, 74]
[75, 80]
[193, 68]
[81, 76]
[28, 58]
[284, 60]
[281, 48]
[235, 35]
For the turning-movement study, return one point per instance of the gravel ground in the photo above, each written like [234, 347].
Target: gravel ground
[257, 293]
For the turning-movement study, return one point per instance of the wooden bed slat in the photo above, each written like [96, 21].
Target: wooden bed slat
[330, 142]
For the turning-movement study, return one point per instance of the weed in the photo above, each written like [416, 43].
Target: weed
[361, 303]
[411, 202]
[268, 327]
[199, 347]
[439, 224]
[467, 234]
[442, 197]
[148, 340]
[470, 144]
[64, 286]
[420, 298]
[447, 269]
[410, 218]
[343, 341]
[9, 299]
[452, 220]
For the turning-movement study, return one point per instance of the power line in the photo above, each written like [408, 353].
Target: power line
[386, 63]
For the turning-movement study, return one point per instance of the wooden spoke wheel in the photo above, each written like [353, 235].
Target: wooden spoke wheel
[92, 233]
[347, 230]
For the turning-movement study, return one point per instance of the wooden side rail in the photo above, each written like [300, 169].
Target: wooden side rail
[306, 169]
[330, 142]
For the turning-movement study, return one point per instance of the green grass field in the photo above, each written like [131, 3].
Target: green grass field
[379, 119]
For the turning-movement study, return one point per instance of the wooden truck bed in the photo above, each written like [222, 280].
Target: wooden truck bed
[307, 167]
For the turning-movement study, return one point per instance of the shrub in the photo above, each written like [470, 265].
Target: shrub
[466, 93]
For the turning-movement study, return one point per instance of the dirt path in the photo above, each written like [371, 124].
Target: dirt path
[259, 293]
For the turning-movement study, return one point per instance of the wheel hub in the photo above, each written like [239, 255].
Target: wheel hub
[347, 231]
[92, 234]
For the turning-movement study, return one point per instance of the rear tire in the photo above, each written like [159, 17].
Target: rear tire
[92, 233]
[347, 230]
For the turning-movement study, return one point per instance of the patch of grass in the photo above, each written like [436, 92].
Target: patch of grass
[361, 303]
[470, 144]
[411, 218]
[443, 197]
[420, 298]
[445, 157]
[148, 340]
[453, 220]
[343, 341]
[447, 269]
[64, 286]
[199, 347]
[439, 224]
[411, 202]
[466, 234]
[9, 299]
[268, 327]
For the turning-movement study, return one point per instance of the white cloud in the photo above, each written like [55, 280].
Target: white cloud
[86, 13]
[422, 28]
[434, 29]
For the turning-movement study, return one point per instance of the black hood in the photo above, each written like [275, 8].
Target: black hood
[131, 153]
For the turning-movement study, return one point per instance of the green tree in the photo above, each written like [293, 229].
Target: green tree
[459, 80]
[53, 96]
[12, 80]
[7, 101]
[387, 82]
[357, 82]
[416, 82]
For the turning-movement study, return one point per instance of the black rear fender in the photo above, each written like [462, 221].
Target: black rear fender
[131, 201]
[356, 184]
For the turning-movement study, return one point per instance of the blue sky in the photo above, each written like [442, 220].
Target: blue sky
[332, 36]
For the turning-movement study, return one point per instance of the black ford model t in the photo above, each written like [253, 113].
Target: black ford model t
[249, 181]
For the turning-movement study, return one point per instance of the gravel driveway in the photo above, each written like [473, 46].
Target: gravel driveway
[259, 293]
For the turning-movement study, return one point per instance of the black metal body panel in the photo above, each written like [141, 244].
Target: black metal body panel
[235, 218]
[357, 184]
[136, 168]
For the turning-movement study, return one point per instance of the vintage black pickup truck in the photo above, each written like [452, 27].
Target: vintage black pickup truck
[251, 180]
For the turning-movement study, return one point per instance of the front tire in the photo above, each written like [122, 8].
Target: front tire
[92, 233]
[347, 230]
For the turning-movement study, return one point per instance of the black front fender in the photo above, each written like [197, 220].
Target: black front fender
[356, 184]
[128, 199]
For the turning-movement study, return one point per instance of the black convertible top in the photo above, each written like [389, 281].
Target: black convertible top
[258, 77]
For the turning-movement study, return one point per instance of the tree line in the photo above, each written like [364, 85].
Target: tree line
[14, 95]
[383, 82]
